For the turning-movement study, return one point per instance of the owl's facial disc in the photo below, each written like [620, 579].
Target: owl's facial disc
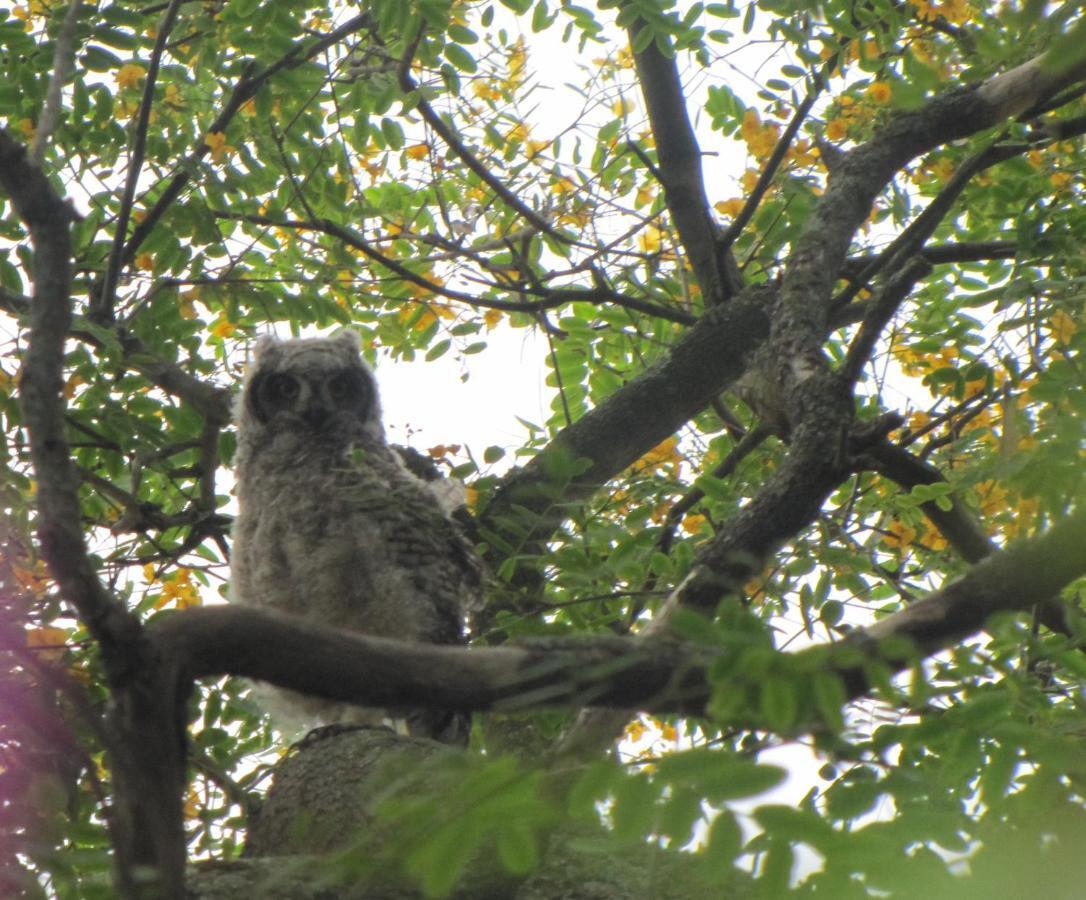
[318, 399]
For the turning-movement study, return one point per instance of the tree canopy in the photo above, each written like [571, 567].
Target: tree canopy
[807, 281]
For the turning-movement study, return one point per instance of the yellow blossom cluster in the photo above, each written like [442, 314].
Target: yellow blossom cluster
[760, 137]
[516, 66]
[901, 536]
[848, 114]
[129, 76]
[880, 92]
[1062, 326]
[955, 12]
[177, 589]
[933, 170]
[915, 363]
[664, 455]
[216, 142]
[223, 328]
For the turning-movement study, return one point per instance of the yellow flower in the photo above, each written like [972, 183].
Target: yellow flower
[417, 151]
[692, 524]
[71, 384]
[880, 92]
[518, 61]
[518, 132]
[836, 130]
[145, 261]
[485, 91]
[492, 317]
[49, 642]
[129, 76]
[534, 148]
[216, 142]
[1062, 327]
[622, 107]
[27, 129]
[899, 535]
[649, 239]
[173, 97]
[993, 497]
[668, 733]
[932, 538]
[223, 328]
[634, 731]
[1060, 179]
[179, 591]
[663, 454]
[562, 186]
[248, 108]
[730, 208]
[919, 420]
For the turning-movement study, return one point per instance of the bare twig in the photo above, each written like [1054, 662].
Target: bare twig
[101, 306]
[245, 89]
[548, 297]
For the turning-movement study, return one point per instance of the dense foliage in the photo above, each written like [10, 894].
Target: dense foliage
[436, 175]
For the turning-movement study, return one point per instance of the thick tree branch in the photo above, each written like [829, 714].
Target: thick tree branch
[679, 171]
[671, 677]
[296, 653]
[710, 355]
[49, 219]
[147, 754]
[713, 353]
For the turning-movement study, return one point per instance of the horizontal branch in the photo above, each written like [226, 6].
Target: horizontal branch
[622, 673]
[295, 653]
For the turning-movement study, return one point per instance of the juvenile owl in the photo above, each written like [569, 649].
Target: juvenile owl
[333, 526]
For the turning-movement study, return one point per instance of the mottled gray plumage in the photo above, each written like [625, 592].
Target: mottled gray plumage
[333, 526]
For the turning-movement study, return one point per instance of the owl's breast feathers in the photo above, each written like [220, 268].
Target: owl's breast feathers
[351, 538]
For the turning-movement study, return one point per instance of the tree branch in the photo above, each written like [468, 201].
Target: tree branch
[679, 171]
[49, 219]
[243, 91]
[147, 752]
[712, 354]
[452, 140]
[101, 306]
[671, 676]
[548, 298]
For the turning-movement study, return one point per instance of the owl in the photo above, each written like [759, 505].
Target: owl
[333, 526]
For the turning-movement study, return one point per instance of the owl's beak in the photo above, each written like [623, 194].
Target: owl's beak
[317, 414]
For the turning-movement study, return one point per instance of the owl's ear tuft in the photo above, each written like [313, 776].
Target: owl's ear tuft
[348, 339]
[263, 345]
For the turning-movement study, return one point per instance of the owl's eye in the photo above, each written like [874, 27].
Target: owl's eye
[341, 387]
[282, 388]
